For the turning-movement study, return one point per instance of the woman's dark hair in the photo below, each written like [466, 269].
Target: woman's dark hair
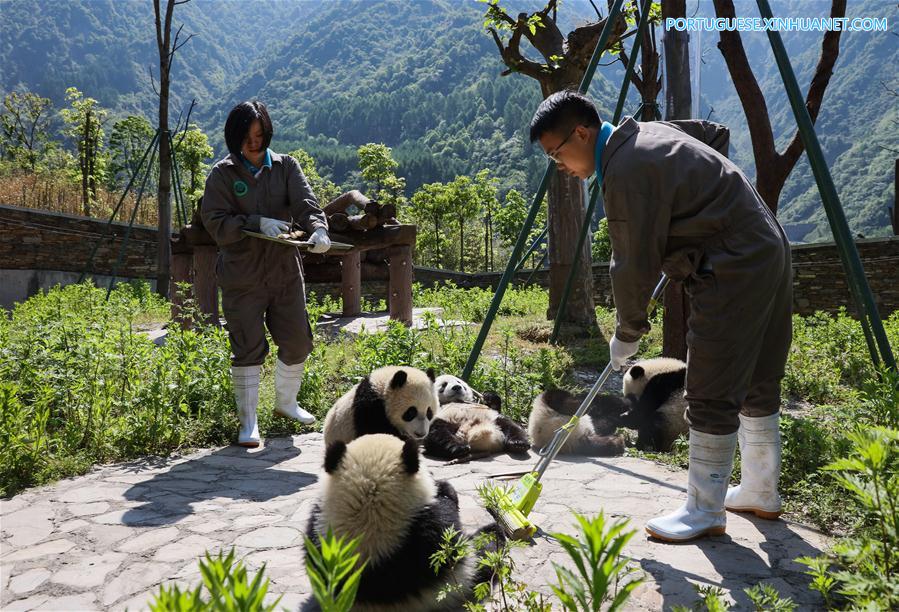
[561, 112]
[239, 121]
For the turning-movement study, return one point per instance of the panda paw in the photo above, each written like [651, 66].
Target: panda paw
[455, 451]
[445, 489]
[518, 446]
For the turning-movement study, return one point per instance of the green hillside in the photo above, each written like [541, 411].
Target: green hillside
[424, 78]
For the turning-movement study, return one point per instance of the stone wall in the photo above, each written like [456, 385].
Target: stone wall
[819, 282]
[38, 249]
[33, 240]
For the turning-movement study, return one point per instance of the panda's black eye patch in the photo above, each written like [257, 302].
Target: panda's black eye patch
[430, 414]
[443, 386]
[410, 414]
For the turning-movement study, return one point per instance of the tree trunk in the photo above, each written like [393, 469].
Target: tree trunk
[678, 100]
[82, 161]
[437, 257]
[92, 163]
[487, 243]
[678, 103]
[461, 245]
[490, 235]
[164, 198]
[651, 83]
[894, 212]
[565, 219]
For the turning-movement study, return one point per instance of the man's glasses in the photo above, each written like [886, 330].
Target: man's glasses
[553, 155]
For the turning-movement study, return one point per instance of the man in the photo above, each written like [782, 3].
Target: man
[675, 203]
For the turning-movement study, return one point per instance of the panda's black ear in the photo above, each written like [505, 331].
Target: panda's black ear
[410, 456]
[333, 456]
[637, 372]
[430, 373]
[492, 400]
[399, 379]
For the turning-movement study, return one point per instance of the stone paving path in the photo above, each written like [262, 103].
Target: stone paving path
[108, 539]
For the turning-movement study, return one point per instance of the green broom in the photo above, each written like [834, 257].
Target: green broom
[515, 507]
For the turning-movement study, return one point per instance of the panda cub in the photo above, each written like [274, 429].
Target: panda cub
[375, 489]
[655, 390]
[594, 434]
[468, 422]
[653, 405]
[400, 401]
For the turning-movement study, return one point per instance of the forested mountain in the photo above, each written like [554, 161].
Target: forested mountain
[423, 77]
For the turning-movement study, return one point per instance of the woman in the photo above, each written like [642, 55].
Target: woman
[256, 189]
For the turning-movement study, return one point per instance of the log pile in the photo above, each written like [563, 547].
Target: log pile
[367, 214]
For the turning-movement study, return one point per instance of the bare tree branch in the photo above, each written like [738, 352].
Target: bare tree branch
[176, 45]
[514, 60]
[547, 40]
[751, 97]
[636, 80]
[830, 50]
[773, 168]
[152, 80]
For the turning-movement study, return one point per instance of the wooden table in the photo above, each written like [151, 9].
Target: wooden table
[194, 254]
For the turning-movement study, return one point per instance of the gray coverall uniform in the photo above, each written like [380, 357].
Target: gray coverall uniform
[261, 279]
[675, 202]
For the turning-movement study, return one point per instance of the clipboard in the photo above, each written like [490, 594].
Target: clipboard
[302, 244]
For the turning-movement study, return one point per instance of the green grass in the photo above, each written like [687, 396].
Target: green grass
[79, 386]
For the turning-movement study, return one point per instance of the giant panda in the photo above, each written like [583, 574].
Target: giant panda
[468, 422]
[655, 390]
[394, 400]
[594, 434]
[375, 489]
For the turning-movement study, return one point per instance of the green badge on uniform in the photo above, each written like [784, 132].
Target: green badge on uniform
[240, 188]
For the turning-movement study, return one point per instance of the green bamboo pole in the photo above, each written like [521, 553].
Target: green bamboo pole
[535, 205]
[531, 249]
[88, 267]
[594, 195]
[124, 247]
[875, 335]
[176, 174]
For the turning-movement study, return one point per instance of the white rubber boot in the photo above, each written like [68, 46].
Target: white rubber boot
[287, 384]
[711, 460]
[245, 380]
[760, 459]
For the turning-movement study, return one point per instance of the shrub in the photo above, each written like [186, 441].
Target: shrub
[601, 248]
[226, 587]
[597, 556]
[829, 357]
[334, 571]
[865, 568]
[473, 304]
[79, 386]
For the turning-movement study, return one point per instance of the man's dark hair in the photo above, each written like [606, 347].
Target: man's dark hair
[561, 112]
[239, 121]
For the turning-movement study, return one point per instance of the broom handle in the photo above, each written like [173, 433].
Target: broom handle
[561, 435]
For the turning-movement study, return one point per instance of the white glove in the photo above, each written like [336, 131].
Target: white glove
[620, 350]
[273, 227]
[320, 241]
